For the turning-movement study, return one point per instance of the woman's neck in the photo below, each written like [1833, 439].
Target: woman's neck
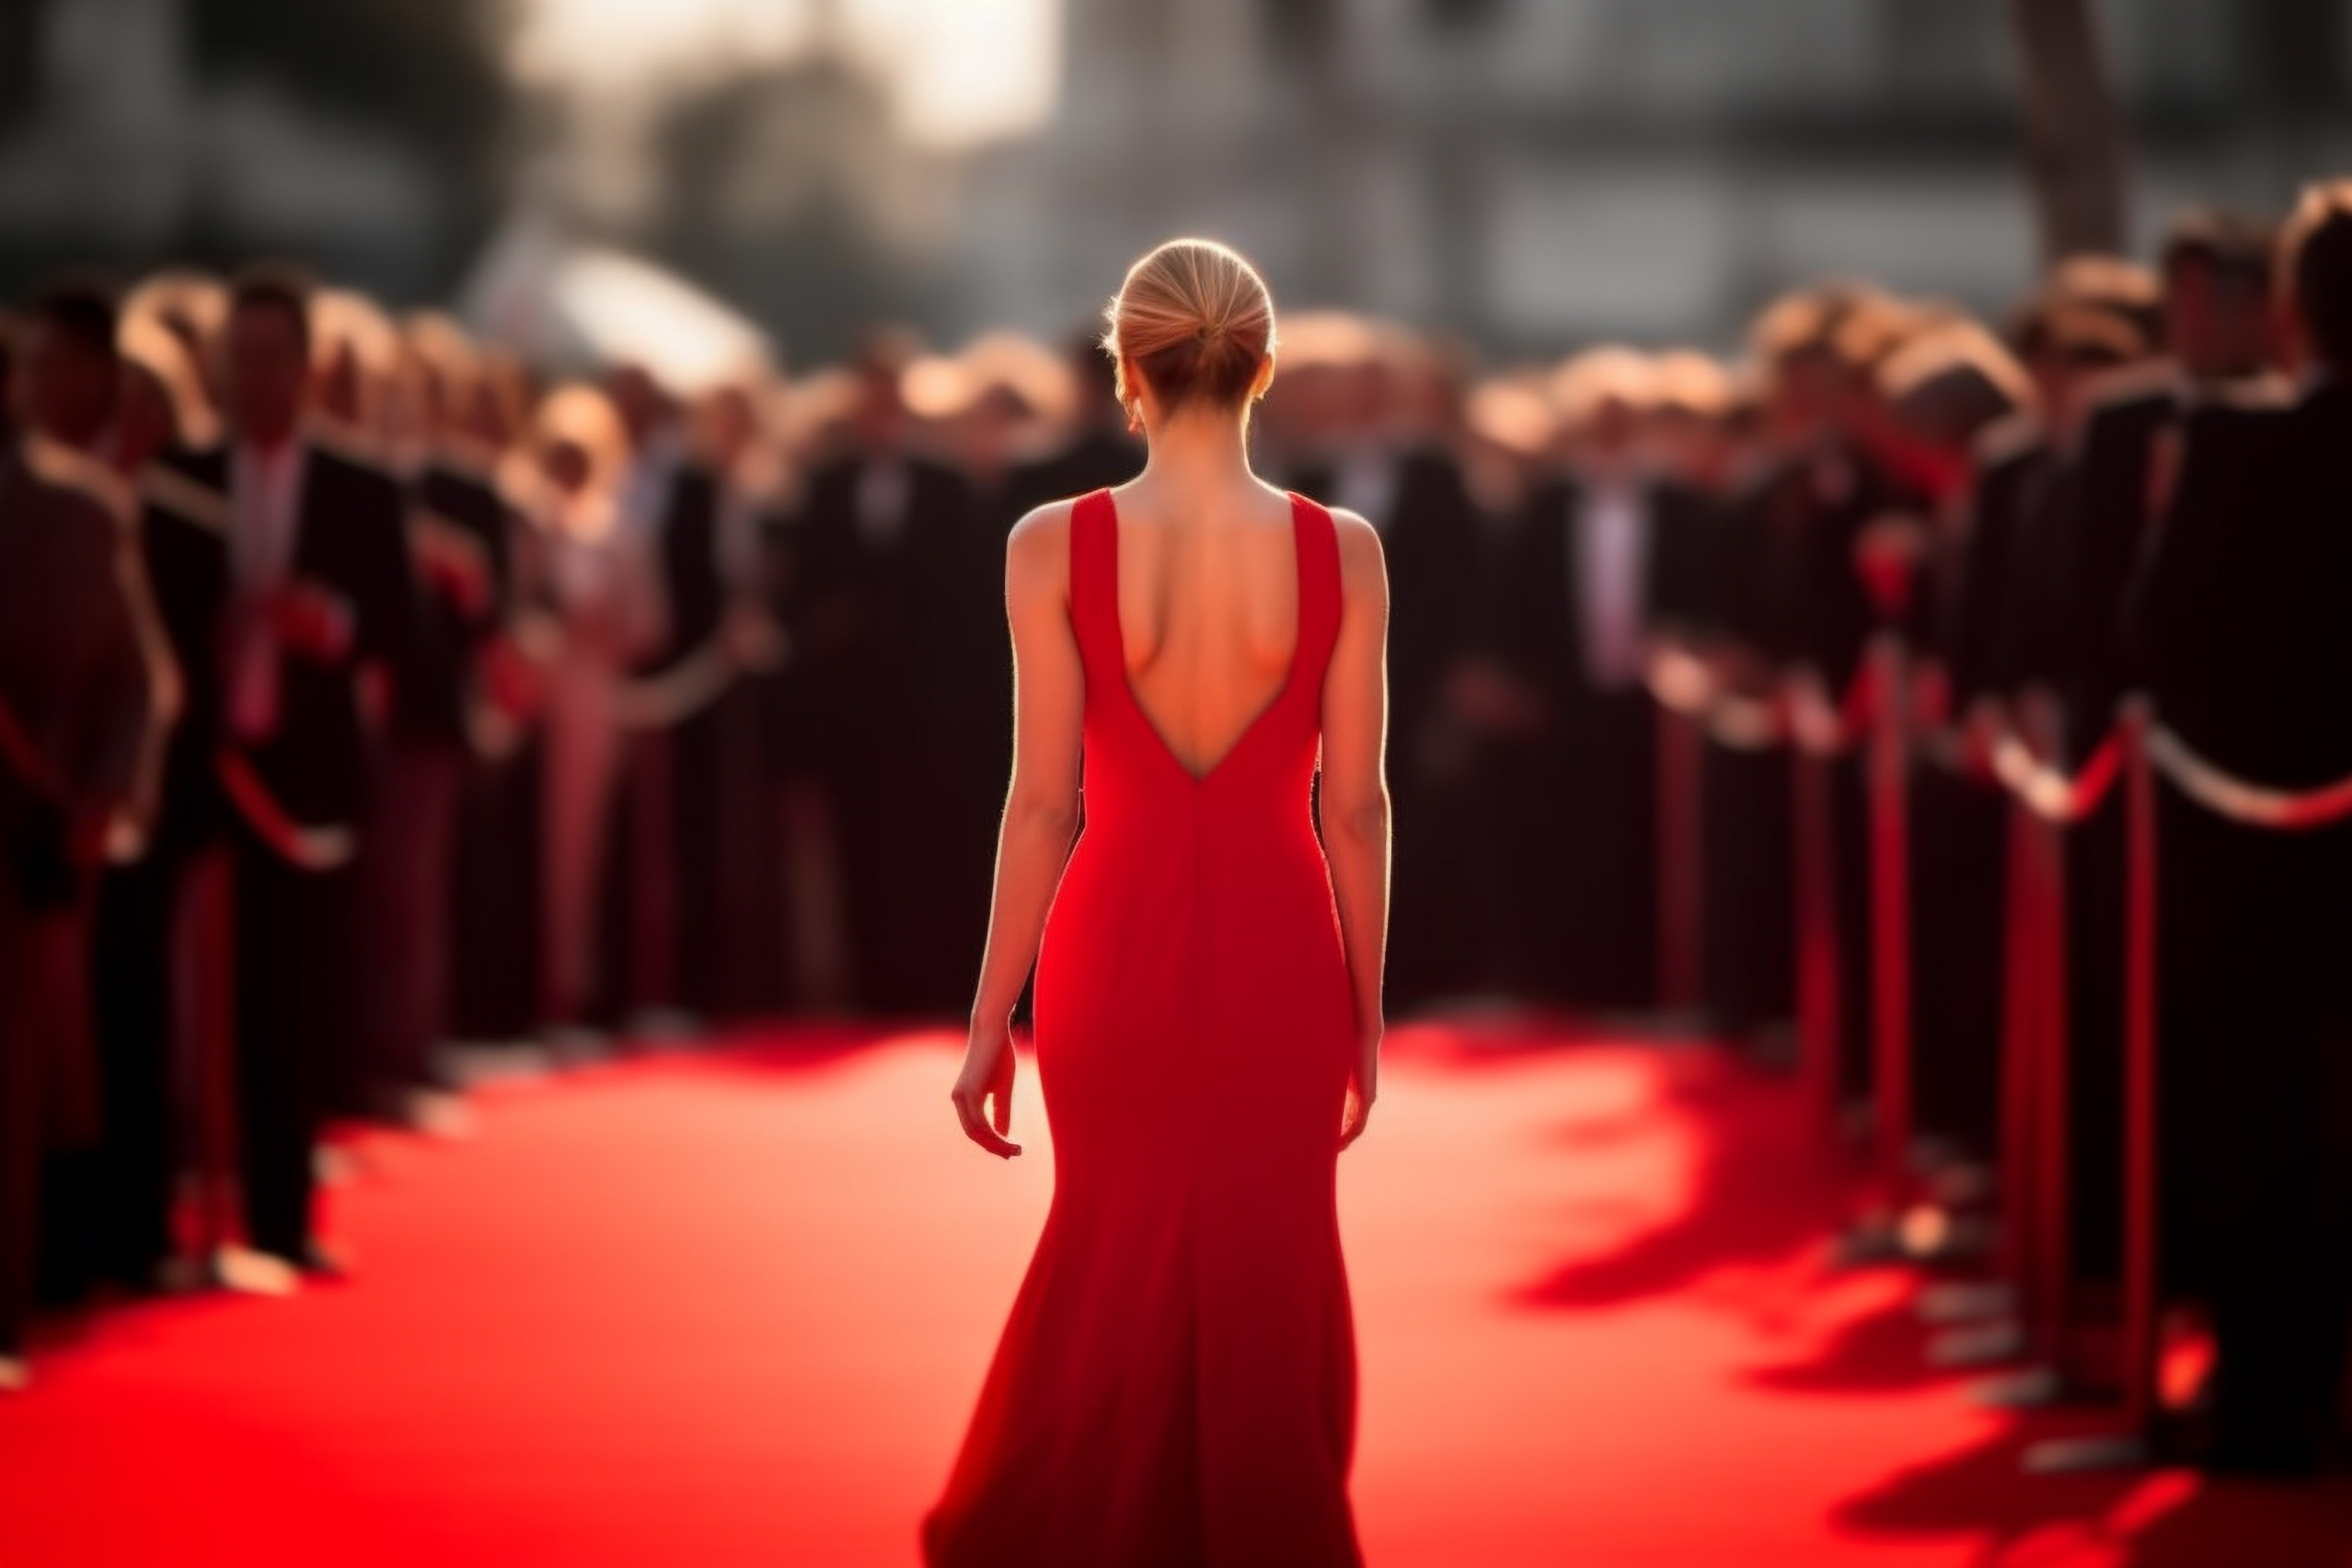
[1199, 450]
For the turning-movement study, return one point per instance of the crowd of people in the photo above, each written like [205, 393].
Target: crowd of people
[362, 689]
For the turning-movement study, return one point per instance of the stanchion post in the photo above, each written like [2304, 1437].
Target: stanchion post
[1891, 899]
[2053, 1269]
[2141, 1124]
[1819, 1027]
[1680, 887]
[2020, 1057]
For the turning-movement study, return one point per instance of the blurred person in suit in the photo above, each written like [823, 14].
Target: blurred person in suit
[479, 405]
[1376, 453]
[882, 533]
[152, 913]
[1941, 393]
[2218, 335]
[86, 689]
[2235, 625]
[1787, 597]
[660, 940]
[1604, 558]
[753, 482]
[2044, 622]
[590, 598]
[405, 391]
[1096, 449]
[319, 613]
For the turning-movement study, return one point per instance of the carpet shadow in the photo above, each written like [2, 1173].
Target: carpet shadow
[1763, 1189]
[2156, 1518]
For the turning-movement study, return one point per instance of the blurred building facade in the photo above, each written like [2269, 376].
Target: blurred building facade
[1530, 173]
[1538, 173]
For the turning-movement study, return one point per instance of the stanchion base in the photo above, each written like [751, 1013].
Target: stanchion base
[1868, 1238]
[1978, 1344]
[473, 1064]
[1961, 1183]
[571, 1045]
[1967, 1301]
[2073, 1456]
[664, 1030]
[1933, 1233]
[2031, 1388]
[251, 1273]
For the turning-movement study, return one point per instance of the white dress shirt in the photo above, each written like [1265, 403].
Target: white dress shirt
[265, 493]
[884, 488]
[1364, 481]
[1611, 559]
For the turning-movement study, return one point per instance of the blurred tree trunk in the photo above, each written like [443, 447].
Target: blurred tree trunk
[20, 55]
[2073, 130]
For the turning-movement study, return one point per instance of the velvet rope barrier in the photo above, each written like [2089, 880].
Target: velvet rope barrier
[664, 700]
[321, 847]
[2136, 752]
[2246, 804]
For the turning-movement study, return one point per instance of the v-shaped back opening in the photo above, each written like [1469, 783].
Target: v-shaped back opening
[1116, 635]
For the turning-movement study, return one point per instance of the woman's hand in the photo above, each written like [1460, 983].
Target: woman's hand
[1363, 1088]
[987, 1077]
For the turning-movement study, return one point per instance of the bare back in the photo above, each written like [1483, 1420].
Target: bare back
[1208, 606]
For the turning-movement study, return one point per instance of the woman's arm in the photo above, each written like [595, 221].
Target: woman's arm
[1041, 809]
[1355, 792]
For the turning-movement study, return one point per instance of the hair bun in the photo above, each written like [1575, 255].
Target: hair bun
[1196, 319]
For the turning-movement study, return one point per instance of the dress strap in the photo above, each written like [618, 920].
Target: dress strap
[1319, 587]
[1091, 518]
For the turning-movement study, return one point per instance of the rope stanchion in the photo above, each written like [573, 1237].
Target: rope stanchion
[2138, 1371]
[2036, 1209]
[2146, 749]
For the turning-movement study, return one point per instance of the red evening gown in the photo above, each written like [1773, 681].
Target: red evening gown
[1176, 1384]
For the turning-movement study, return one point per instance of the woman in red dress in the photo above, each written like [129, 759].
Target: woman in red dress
[1176, 1384]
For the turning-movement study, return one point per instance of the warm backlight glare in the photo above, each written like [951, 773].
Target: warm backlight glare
[957, 71]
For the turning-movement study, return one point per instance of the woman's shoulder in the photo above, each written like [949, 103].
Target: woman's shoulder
[1363, 565]
[1037, 547]
[1043, 527]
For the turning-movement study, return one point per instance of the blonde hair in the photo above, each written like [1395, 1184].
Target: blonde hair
[1195, 320]
[1600, 376]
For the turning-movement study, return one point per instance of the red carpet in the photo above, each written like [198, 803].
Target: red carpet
[732, 1309]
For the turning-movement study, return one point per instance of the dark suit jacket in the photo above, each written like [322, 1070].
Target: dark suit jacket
[350, 540]
[871, 621]
[1982, 642]
[2101, 544]
[431, 695]
[1099, 458]
[1787, 587]
[2237, 623]
[1435, 545]
[1539, 594]
[77, 668]
[688, 553]
[2189, 614]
